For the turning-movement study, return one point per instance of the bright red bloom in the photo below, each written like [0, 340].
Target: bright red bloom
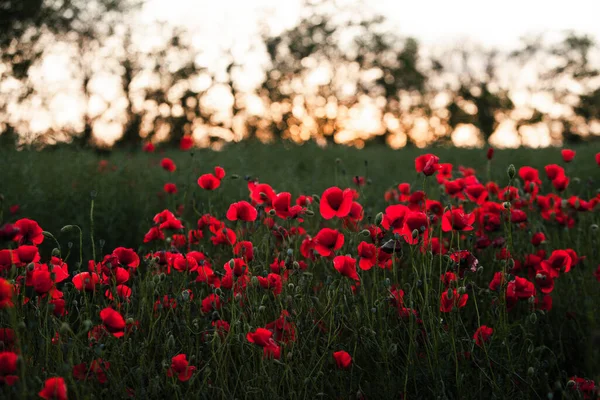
[186, 143]
[586, 387]
[181, 367]
[328, 241]
[170, 188]
[447, 278]
[559, 261]
[210, 303]
[567, 155]
[529, 174]
[336, 202]
[477, 193]
[8, 368]
[6, 294]
[244, 249]
[457, 220]
[272, 281]
[346, 266]
[29, 232]
[597, 158]
[427, 164]
[86, 281]
[126, 257]
[482, 335]
[367, 254]
[283, 208]
[54, 389]
[148, 147]
[168, 164]
[261, 193]
[113, 322]
[343, 360]
[538, 238]
[455, 300]
[415, 221]
[554, 171]
[394, 217]
[153, 234]
[209, 182]
[242, 210]
[260, 337]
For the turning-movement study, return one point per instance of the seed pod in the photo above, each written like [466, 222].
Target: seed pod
[511, 171]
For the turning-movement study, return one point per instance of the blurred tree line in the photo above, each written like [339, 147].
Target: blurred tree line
[337, 75]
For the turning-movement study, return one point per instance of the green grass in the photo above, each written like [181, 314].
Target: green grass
[532, 354]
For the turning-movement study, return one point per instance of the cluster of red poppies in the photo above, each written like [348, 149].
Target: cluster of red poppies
[470, 217]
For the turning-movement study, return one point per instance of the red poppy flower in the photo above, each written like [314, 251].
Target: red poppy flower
[529, 174]
[272, 281]
[455, 300]
[415, 221]
[8, 368]
[168, 164]
[186, 143]
[54, 389]
[244, 249]
[598, 158]
[181, 367]
[447, 278]
[29, 232]
[457, 220]
[209, 182]
[393, 218]
[482, 335]
[358, 180]
[242, 210]
[343, 360]
[86, 281]
[328, 241]
[210, 303]
[477, 193]
[126, 257]
[520, 288]
[567, 155]
[346, 266]
[367, 254]
[336, 202]
[261, 337]
[148, 147]
[153, 234]
[261, 193]
[538, 238]
[559, 261]
[283, 208]
[6, 294]
[427, 164]
[113, 322]
[553, 171]
[170, 188]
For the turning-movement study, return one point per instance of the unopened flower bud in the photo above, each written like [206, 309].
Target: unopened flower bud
[506, 205]
[530, 371]
[378, 218]
[511, 171]
[450, 293]
[55, 252]
[272, 212]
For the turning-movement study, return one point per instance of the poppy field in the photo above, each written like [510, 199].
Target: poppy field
[300, 273]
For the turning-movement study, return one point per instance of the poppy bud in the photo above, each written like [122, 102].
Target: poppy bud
[511, 171]
[576, 180]
[254, 281]
[365, 233]
[386, 282]
[234, 176]
[594, 228]
[87, 325]
[30, 266]
[291, 286]
[171, 341]
[218, 291]
[162, 276]
[338, 161]
[533, 318]
[490, 153]
[238, 296]
[415, 233]
[479, 270]
[531, 300]
[374, 310]
[290, 252]
[316, 198]
[530, 371]
[540, 276]
[21, 325]
[55, 252]
[70, 245]
[272, 212]
[93, 194]
[308, 212]
[393, 349]
[261, 309]
[462, 290]
[67, 228]
[185, 295]
[450, 293]
[378, 218]
[64, 328]
[129, 321]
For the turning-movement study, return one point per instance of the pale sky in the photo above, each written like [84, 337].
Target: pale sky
[433, 22]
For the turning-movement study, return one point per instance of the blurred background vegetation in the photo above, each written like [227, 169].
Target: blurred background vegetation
[338, 75]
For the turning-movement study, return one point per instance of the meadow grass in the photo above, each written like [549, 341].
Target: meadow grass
[389, 321]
